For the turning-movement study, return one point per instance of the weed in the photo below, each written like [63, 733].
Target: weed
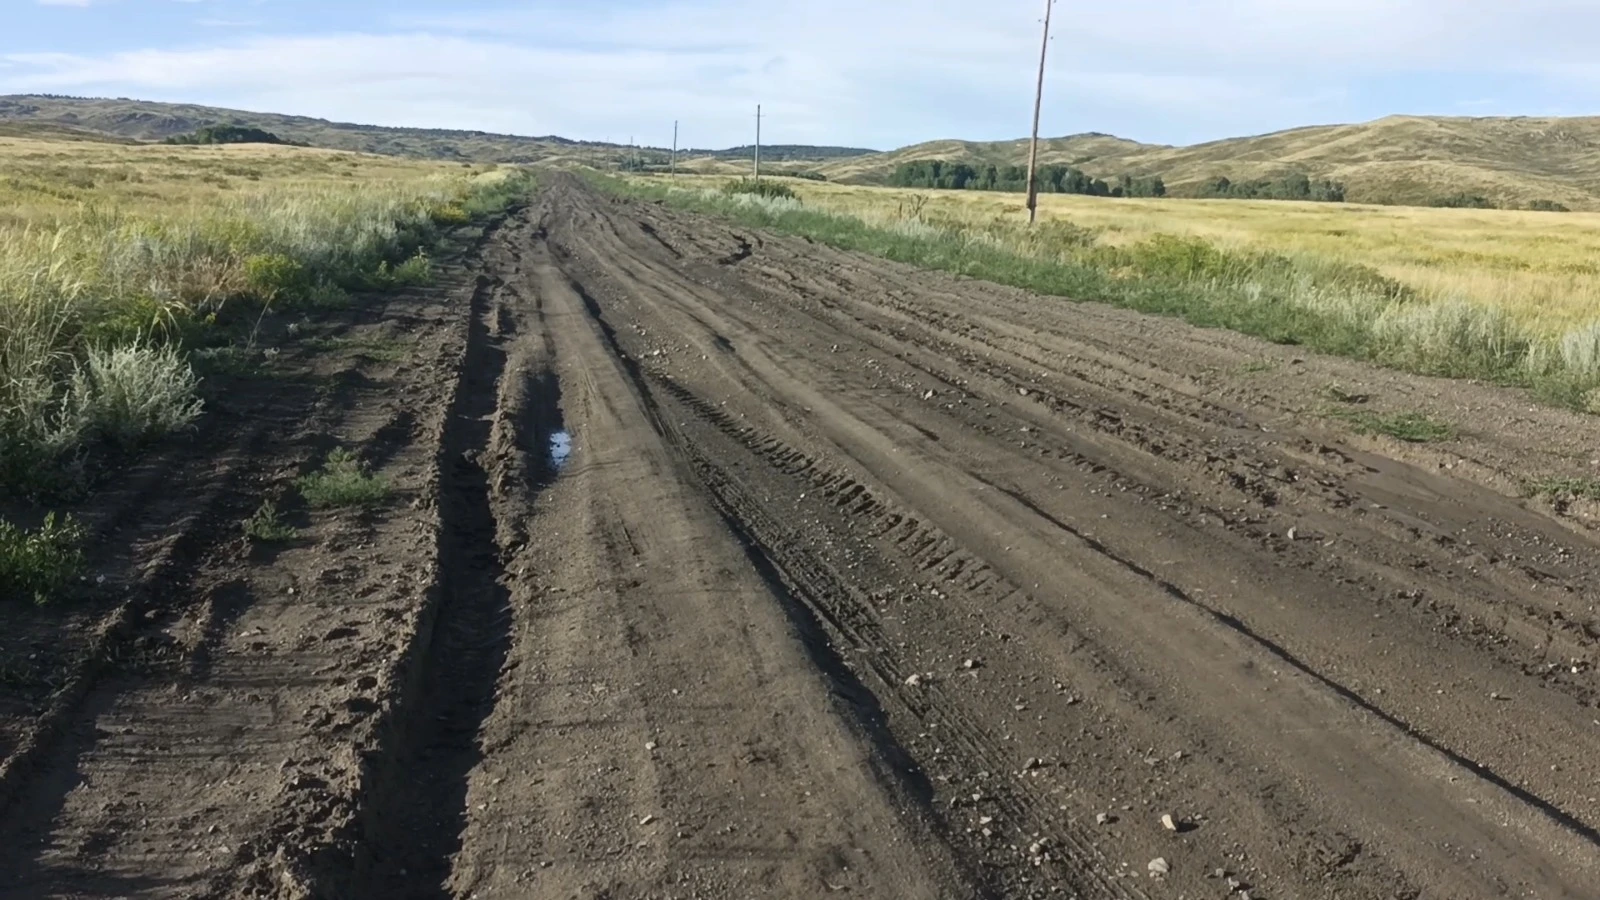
[1412, 427]
[343, 481]
[1255, 366]
[266, 526]
[1565, 488]
[40, 563]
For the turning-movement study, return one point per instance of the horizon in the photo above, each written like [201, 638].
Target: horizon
[728, 148]
[901, 73]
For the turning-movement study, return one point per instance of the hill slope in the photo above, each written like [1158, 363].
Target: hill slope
[150, 121]
[1399, 159]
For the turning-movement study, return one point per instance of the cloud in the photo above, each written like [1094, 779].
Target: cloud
[877, 74]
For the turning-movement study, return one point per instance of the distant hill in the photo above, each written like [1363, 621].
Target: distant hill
[149, 121]
[1400, 159]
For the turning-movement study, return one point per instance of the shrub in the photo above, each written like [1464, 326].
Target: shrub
[769, 189]
[131, 394]
[266, 527]
[1548, 206]
[343, 481]
[39, 564]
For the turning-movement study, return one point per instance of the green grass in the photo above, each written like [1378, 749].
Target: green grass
[266, 526]
[1331, 307]
[342, 482]
[40, 563]
[1257, 366]
[1411, 427]
[1565, 488]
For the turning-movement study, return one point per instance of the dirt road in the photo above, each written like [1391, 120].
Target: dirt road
[729, 565]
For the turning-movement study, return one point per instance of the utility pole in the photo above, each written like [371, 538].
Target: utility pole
[758, 142]
[674, 164]
[1038, 102]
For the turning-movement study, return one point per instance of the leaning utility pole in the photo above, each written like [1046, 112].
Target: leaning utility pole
[674, 164]
[758, 142]
[1038, 102]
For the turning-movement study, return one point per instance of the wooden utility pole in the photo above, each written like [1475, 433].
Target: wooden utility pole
[758, 142]
[674, 164]
[1038, 102]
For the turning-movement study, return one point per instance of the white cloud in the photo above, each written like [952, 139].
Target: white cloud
[878, 73]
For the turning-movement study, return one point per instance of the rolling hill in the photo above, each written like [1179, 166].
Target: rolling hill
[149, 121]
[1399, 159]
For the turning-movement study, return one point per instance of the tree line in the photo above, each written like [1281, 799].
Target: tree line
[1289, 187]
[1052, 179]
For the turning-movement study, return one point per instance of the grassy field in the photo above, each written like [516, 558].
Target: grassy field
[1504, 296]
[118, 260]
[1542, 268]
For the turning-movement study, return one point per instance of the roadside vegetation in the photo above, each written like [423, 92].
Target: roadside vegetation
[342, 482]
[1510, 297]
[121, 264]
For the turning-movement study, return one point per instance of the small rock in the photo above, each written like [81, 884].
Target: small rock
[1158, 867]
[928, 395]
[973, 664]
[1033, 762]
[1101, 819]
[1219, 873]
[647, 820]
[650, 745]
[1168, 822]
[1292, 533]
[1022, 392]
[914, 680]
[984, 820]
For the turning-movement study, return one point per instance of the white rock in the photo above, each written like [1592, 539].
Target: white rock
[1168, 823]
[1158, 867]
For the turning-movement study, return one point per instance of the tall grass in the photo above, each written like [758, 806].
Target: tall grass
[96, 303]
[1325, 304]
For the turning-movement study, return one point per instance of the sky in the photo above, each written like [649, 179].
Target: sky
[864, 73]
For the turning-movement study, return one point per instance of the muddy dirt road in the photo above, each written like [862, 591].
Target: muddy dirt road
[728, 565]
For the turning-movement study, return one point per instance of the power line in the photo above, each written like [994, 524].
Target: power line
[1038, 103]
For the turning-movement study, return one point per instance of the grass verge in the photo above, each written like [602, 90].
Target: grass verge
[1331, 307]
[115, 270]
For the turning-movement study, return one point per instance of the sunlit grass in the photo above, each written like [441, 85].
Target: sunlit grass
[121, 253]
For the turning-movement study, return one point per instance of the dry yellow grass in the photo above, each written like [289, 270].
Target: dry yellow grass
[1542, 268]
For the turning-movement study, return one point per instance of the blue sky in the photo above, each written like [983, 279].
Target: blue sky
[874, 73]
